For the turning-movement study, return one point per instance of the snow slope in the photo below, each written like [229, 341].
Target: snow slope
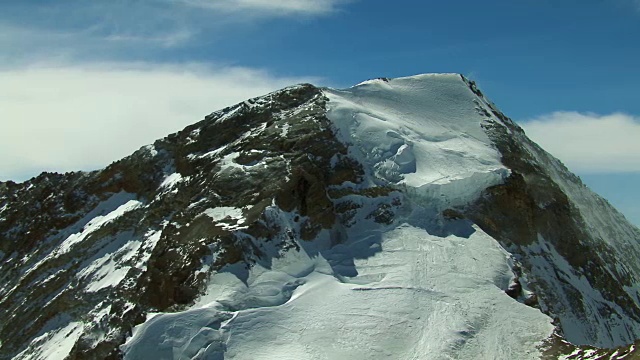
[420, 297]
[421, 287]
[618, 246]
[422, 131]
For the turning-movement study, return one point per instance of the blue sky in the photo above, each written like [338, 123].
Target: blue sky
[84, 83]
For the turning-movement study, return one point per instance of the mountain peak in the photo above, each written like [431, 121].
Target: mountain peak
[406, 214]
[425, 77]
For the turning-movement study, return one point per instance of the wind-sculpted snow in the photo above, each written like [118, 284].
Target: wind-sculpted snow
[418, 296]
[416, 131]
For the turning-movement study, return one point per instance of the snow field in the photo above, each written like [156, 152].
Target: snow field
[417, 130]
[420, 297]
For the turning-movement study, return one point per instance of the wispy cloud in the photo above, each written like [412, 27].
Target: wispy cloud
[81, 117]
[628, 4]
[589, 143]
[165, 40]
[26, 38]
[81, 28]
[269, 7]
[28, 45]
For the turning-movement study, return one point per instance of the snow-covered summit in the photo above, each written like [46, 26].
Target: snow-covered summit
[423, 131]
[411, 78]
[401, 218]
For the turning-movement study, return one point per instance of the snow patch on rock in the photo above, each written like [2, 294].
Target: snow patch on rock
[53, 345]
[113, 262]
[106, 212]
[171, 181]
[230, 218]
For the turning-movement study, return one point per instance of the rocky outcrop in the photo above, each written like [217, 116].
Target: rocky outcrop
[278, 150]
[533, 209]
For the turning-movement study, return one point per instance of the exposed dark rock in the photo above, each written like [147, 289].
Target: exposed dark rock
[237, 157]
[531, 204]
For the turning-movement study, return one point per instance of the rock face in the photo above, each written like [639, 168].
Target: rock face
[579, 253]
[416, 189]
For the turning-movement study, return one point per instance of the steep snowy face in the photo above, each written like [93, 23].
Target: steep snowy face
[445, 143]
[400, 218]
[578, 252]
[424, 132]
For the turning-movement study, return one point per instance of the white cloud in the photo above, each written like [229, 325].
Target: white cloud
[65, 114]
[177, 37]
[589, 143]
[269, 7]
[27, 43]
[84, 117]
[82, 30]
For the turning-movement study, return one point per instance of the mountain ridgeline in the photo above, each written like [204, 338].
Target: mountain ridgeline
[399, 218]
